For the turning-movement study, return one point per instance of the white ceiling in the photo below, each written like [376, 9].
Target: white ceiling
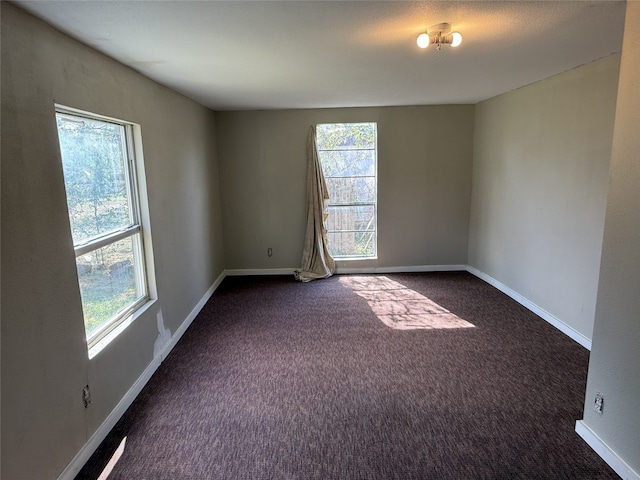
[310, 54]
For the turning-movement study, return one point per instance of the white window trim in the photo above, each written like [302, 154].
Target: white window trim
[142, 252]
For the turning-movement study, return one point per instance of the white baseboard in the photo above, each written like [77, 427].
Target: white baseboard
[347, 270]
[191, 317]
[605, 452]
[411, 269]
[258, 271]
[101, 433]
[125, 402]
[556, 322]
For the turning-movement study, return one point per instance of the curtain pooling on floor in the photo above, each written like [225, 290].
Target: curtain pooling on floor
[316, 260]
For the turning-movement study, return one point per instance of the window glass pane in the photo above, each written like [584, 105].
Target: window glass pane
[94, 175]
[361, 217]
[352, 189]
[343, 136]
[348, 156]
[108, 281]
[352, 244]
[348, 163]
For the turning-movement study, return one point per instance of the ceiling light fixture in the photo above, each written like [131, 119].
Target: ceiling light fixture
[439, 35]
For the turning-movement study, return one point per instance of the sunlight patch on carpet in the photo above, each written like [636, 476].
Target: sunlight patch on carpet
[114, 459]
[400, 307]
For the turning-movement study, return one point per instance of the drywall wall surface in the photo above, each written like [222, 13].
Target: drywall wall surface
[541, 160]
[424, 181]
[45, 363]
[614, 363]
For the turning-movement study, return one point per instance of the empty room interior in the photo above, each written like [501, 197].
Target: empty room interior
[503, 203]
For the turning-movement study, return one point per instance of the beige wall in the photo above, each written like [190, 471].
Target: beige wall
[44, 355]
[615, 357]
[424, 182]
[541, 157]
[532, 219]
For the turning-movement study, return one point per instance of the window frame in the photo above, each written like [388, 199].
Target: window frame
[373, 204]
[132, 169]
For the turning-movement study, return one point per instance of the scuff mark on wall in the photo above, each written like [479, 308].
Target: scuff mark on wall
[164, 336]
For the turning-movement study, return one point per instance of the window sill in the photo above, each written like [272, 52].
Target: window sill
[98, 347]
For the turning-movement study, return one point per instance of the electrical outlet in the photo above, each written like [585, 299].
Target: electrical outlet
[598, 404]
[269, 252]
[86, 396]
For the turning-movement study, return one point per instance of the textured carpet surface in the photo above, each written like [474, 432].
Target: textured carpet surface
[283, 380]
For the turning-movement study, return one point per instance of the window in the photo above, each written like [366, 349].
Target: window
[348, 155]
[104, 211]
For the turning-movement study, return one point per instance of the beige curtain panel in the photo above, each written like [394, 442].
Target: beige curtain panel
[316, 261]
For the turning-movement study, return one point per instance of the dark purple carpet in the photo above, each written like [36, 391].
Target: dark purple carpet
[283, 380]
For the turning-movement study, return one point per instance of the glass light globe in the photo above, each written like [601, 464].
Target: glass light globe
[423, 40]
[456, 39]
